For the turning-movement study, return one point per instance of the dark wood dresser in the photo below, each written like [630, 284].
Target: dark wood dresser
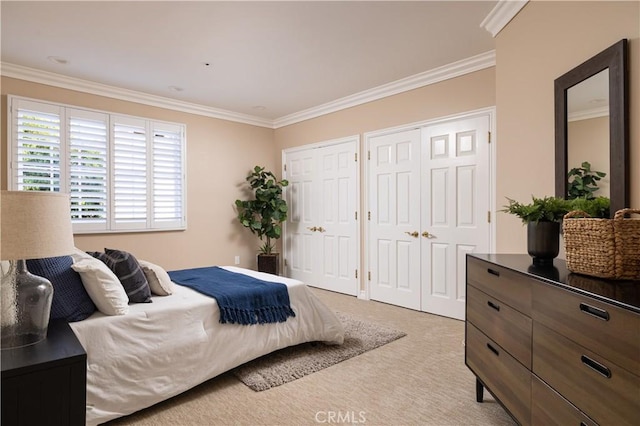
[45, 383]
[554, 348]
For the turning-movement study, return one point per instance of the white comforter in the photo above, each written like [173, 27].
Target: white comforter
[163, 348]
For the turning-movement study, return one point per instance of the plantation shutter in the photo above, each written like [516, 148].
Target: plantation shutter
[168, 201]
[38, 149]
[129, 167]
[88, 171]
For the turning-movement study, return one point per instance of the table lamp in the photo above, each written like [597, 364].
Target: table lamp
[34, 225]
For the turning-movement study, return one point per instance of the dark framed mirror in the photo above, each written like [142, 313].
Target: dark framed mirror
[592, 123]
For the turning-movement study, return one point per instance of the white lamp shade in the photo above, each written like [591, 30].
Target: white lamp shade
[35, 225]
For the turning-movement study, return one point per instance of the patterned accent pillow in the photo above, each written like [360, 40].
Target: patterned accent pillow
[71, 302]
[128, 271]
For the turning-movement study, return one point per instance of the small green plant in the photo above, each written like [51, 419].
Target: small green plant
[546, 209]
[264, 214]
[598, 207]
[583, 181]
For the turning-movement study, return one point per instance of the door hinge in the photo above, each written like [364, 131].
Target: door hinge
[285, 263]
[368, 215]
[488, 217]
[285, 167]
[355, 157]
[356, 215]
[356, 273]
[489, 135]
[368, 155]
[369, 275]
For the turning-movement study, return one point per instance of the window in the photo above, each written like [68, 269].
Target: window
[123, 173]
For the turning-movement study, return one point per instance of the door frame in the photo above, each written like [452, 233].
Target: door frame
[365, 290]
[322, 144]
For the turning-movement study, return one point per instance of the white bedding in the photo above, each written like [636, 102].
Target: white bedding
[164, 348]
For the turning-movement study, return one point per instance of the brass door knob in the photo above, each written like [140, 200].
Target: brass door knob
[312, 229]
[426, 234]
[321, 229]
[414, 234]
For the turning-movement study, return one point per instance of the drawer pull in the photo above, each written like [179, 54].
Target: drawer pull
[493, 305]
[493, 272]
[594, 365]
[492, 349]
[596, 312]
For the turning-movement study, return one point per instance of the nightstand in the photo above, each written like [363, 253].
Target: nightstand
[45, 383]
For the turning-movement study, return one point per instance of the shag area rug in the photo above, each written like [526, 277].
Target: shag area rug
[294, 362]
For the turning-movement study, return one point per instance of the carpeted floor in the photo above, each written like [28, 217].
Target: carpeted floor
[295, 362]
[420, 379]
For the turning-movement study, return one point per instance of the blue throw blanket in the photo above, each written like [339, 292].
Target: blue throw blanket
[242, 299]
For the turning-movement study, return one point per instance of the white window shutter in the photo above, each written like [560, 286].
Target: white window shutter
[88, 171]
[129, 171]
[38, 147]
[168, 200]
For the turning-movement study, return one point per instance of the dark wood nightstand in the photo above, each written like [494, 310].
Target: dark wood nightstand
[45, 383]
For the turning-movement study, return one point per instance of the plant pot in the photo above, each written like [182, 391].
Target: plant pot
[269, 263]
[543, 241]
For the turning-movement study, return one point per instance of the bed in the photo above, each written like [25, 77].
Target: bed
[161, 349]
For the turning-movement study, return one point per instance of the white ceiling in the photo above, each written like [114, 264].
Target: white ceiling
[266, 59]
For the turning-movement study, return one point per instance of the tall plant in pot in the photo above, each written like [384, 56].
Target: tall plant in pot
[263, 215]
[542, 217]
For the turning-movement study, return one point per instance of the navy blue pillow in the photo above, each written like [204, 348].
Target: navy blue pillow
[71, 302]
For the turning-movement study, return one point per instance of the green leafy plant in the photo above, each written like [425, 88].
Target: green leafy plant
[264, 214]
[583, 182]
[546, 209]
[598, 207]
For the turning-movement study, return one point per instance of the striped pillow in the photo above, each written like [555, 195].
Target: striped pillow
[128, 271]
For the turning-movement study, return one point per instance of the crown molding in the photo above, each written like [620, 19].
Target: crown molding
[501, 14]
[72, 83]
[588, 114]
[455, 69]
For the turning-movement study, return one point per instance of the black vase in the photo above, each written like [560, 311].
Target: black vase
[543, 241]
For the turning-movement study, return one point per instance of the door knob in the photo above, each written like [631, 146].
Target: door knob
[321, 229]
[426, 234]
[312, 229]
[414, 234]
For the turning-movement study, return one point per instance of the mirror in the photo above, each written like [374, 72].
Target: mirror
[591, 123]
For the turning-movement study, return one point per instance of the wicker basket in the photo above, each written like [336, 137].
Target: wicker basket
[605, 248]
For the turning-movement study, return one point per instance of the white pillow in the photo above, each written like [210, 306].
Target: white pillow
[159, 281]
[103, 286]
[78, 255]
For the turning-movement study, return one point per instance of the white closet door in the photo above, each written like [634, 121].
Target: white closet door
[455, 204]
[321, 238]
[394, 225]
[300, 242]
[337, 227]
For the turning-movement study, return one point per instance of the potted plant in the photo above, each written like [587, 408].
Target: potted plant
[583, 182]
[542, 217]
[263, 215]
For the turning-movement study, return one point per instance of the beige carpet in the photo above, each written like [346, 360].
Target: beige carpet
[295, 362]
[420, 379]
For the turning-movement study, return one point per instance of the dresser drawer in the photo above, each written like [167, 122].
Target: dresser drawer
[510, 287]
[548, 408]
[607, 330]
[604, 391]
[503, 324]
[505, 377]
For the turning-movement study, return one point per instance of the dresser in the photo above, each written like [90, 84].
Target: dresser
[45, 383]
[553, 348]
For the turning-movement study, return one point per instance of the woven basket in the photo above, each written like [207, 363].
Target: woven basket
[605, 248]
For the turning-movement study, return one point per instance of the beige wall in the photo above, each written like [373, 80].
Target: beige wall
[219, 156]
[588, 140]
[545, 40]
